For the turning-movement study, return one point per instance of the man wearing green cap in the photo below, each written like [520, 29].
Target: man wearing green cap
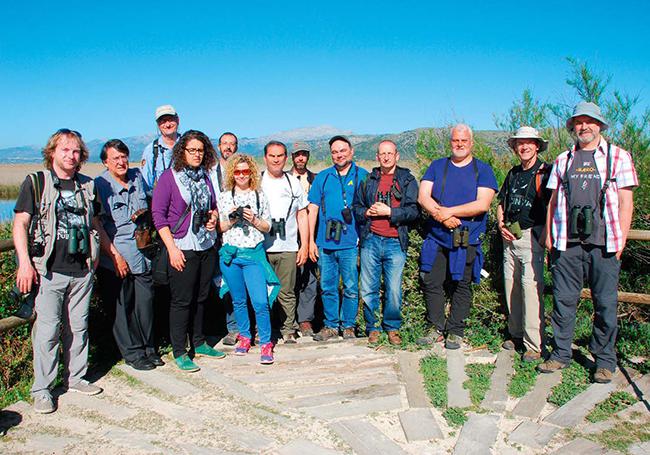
[589, 216]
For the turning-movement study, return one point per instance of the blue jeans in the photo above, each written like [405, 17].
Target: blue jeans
[335, 265]
[382, 256]
[245, 275]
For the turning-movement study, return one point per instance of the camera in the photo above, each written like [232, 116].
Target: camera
[581, 221]
[200, 218]
[346, 213]
[460, 237]
[278, 227]
[24, 302]
[78, 240]
[36, 249]
[238, 215]
[333, 230]
[515, 229]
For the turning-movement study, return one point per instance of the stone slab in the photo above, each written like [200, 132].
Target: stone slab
[355, 408]
[496, 397]
[574, 412]
[98, 404]
[302, 447]
[478, 435]
[131, 440]
[236, 388]
[419, 425]
[582, 446]
[533, 434]
[641, 448]
[42, 443]
[365, 438]
[457, 396]
[409, 364]
[360, 392]
[297, 391]
[161, 381]
[625, 415]
[533, 402]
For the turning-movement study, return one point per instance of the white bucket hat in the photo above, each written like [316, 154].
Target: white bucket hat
[527, 132]
[590, 110]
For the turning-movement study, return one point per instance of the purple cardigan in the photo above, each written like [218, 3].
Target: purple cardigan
[168, 205]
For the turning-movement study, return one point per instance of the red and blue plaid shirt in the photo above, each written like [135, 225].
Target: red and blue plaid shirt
[623, 175]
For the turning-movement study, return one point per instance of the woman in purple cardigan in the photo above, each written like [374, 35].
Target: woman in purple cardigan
[184, 212]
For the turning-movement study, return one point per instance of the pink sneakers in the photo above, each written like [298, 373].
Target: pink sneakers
[267, 354]
[243, 345]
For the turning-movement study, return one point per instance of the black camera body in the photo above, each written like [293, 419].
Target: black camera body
[24, 302]
[278, 227]
[333, 230]
[581, 221]
[346, 213]
[36, 249]
[460, 237]
[238, 215]
[78, 240]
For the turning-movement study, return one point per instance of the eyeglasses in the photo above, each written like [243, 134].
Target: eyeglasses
[195, 151]
[242, 172]
[68, 131]
[386, 154]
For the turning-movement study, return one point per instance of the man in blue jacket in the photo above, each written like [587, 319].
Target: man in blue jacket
[334, 238]
[457, 192]
[384, 206]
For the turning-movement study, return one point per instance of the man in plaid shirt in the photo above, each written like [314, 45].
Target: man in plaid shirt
[588, 220]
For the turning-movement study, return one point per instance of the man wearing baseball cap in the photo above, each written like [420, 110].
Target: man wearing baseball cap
[589, 216]
[521, 218]
[306, 284]
[157, 155]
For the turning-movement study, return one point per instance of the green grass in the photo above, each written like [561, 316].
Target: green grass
[455, 417]
[524, 378]
[434, 372]
[616, 402]
[575, 379]
[479, 380]
[9, 191]
[622, 435]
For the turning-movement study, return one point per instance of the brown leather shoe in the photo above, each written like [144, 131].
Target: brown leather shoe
[531, 356]
[394, 338]
[306, 329]
[603, 376]
[551, 366]
[373, 337]
[348, 334]
[325, 334]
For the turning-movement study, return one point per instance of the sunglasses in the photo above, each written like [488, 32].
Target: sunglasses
[68, 131]
[242, 172]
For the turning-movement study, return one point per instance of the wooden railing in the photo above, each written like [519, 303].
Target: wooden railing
[626, 297]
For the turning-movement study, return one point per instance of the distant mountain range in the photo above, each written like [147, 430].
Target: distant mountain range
[365, 144]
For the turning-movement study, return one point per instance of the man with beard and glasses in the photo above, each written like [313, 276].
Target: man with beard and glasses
[587, 224]
[334, 238]
[306, 282]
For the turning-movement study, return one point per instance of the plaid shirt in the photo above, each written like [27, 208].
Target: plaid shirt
[623, 176]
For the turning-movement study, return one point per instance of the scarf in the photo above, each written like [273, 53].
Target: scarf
[194, 181]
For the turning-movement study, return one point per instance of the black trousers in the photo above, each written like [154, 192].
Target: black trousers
[189, 292]
[131, 299]
[460, 293]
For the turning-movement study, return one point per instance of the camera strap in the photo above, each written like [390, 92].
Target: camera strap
[181, 219]
[535, 182]
[257, 199]
[444, 177]
[341, 181]
[603, 189]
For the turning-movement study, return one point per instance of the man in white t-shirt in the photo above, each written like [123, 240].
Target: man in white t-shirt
[288, 207]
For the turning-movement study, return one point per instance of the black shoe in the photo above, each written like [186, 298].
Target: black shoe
[142, 364]
[155, 359]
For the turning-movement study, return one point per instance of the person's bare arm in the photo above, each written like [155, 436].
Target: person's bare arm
[479, 206]
[425, 199]
[505, 233]
[312, 219]
[303, 231]
[625, 211]
[26, 275]
[549, 220]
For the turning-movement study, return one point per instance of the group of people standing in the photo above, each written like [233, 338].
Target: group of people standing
[259, 239]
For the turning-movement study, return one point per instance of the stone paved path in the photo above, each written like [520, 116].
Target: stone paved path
[333, 398]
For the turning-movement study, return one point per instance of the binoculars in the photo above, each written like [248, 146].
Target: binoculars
[24, 302]
[238, 215]
[514, 229]
[78, 240]
[36, 249]
[333, 230]
[278, 227]
[460, 237]
[384, 197]
[199, 219]
[346, 213]
[581, 221]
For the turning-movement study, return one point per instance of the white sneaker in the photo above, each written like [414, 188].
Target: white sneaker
[85, 388]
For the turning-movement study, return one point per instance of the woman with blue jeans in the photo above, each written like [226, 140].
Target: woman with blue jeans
[244, 217]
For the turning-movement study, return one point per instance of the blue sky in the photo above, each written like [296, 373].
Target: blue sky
[260, 67]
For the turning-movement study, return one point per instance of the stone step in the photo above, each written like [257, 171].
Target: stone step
[419, 425]
[533, 402]
[582, 446]
[477, 435]
[532, 434]
[99, 404]
[409, 363]
[359, 393]
[302, 447]
[355, 407]
[496, 397]
[365, 438]
[640, 448]
[300, 390]
[162, 380]
[457, 396]
[40, 443]
[574, 412]
[236, 388]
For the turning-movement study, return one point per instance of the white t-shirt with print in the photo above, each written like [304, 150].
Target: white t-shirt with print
[280, 193]
[236, 235]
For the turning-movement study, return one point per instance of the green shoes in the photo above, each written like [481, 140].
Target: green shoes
[207, 351]
[184, 363]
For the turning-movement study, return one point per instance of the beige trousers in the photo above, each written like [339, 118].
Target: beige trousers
[523, 270]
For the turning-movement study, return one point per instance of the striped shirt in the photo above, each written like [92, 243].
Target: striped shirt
[623, 175]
